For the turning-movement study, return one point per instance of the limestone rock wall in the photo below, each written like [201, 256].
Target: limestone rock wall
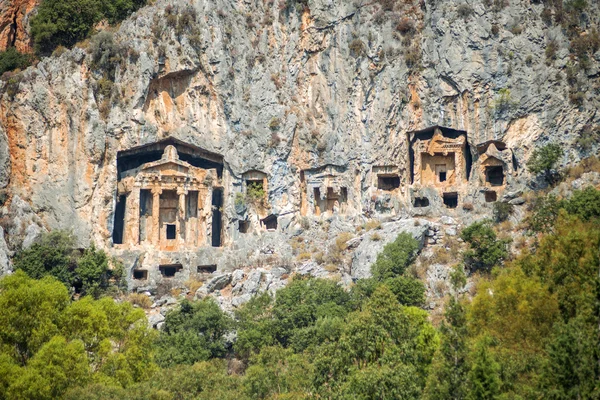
[278, 87]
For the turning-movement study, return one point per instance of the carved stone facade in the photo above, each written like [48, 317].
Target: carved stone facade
[328, 190]
[440, 159]
[167, 203]
[495, 168]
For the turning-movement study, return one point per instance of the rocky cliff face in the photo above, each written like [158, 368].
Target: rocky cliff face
[280, 87]
[14, 24]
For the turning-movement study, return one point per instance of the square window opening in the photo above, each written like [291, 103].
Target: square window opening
[443, 176]
[490, 196]
[244, 226]
[140, 274]
[388, 182]
[494, 175]
[451, 200]
[171, 231]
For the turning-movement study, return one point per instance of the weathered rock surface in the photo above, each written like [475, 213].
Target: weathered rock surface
[14, 24]
[4, 254]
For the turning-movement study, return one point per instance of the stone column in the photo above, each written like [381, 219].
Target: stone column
[181, 228]
[156, 191]
[134, 229]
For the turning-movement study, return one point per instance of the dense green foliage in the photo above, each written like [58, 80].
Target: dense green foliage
[65, 22]
[54, 255]
[530, 331]
[395, 257]
[11, 59]
[49, 343]
[543, 159]
[584, 204]
[486, 250]
[192, 333]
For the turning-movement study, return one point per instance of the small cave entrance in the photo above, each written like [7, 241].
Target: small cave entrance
[388, 182]
[270, 222]
[119, 220]
[421, 202]
[217, 206]
[140, 274]
[490, 196]
[243, 226]
[206, 269]
[494, 175]
[169, 271]
[450, 199]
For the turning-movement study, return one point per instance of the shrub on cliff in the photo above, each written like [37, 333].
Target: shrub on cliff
[395, 257]
[544, 159]
[486, 250]
[54, 254]
[65, 22]
[11, 59]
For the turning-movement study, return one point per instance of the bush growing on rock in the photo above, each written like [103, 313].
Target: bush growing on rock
[54, 255]
[11, 59]
[544, 159]
[486, 250]
[502, 211]
[395, 257]
[65, 22]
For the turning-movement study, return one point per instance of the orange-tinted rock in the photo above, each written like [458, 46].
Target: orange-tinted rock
[14, 24]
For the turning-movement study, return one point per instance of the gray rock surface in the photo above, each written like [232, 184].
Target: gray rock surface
[5, 264]
[366, 253]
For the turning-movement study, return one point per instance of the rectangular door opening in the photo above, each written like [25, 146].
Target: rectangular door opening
[140, 274]
[451, 200]
[169, 271]
[119, 220]
[217, 207]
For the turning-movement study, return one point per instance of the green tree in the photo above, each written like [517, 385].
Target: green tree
[303, 301]
[544, 159]
[57, 366]
[584, 203]
[484, 376]
[571, 370]
[193, 332]
[448, 375]
[65, 22]
[92, 272]
[485, 249]
[567, 262]
[30, 313]
[409, 291]
[543, 213]
[395, 257]
[51, 255]
[276, 371]
[255, 325]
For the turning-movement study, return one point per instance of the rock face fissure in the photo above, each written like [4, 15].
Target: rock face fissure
[216, 142]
